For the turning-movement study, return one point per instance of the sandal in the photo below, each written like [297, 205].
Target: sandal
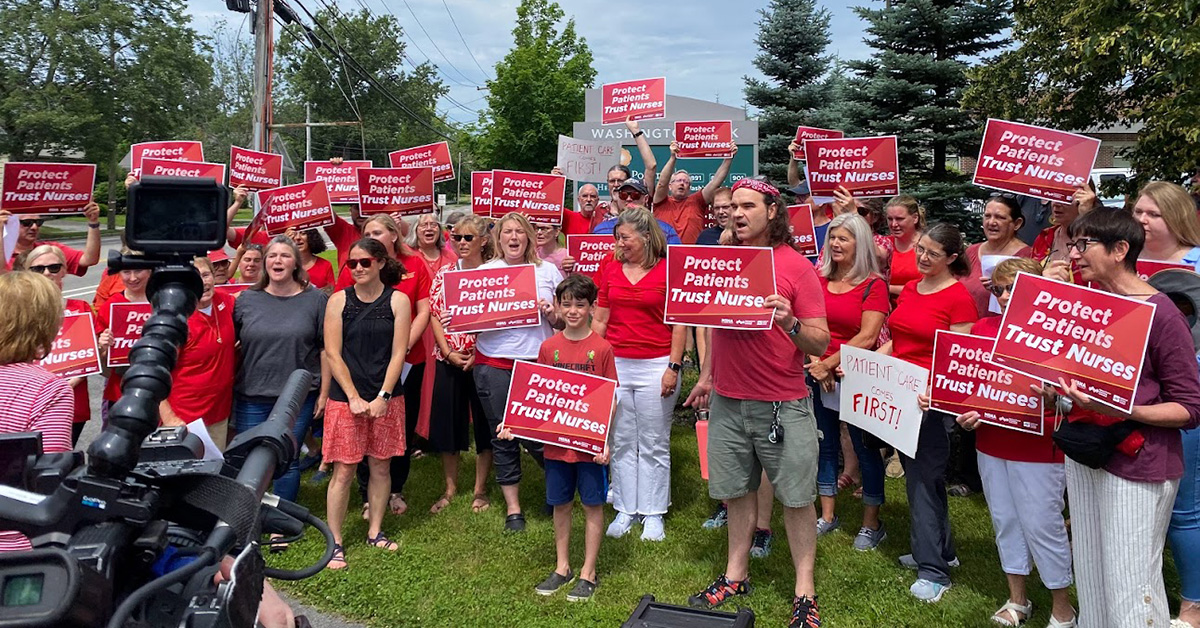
[1011, 608]
[397, 504]
[339, 558]
[382, 541]
[276, 544]
[441, 503]
[481, 502]
[959, 490]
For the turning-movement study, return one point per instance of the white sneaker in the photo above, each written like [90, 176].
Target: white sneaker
[652, 528]
[620, 526]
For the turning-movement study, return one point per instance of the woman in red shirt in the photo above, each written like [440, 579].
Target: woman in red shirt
[936, 301]
[905, 220]
[629, 314]
[856, 306]
[1050, 247]
[1002, 218]
[310, 244]
[135, 292]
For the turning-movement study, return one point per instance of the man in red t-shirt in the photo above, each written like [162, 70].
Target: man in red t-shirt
[77, 261]
[676, 204]
[762, 418]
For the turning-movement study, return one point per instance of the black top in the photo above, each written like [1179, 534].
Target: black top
[366, 344]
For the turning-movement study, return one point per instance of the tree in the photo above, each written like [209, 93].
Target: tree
[792, 38]
[912, 87]
[537, 93]
[1081, 65]
[232, 59]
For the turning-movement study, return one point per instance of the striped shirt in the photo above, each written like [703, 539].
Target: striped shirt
[33, 399]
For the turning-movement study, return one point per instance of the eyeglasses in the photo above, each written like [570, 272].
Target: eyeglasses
[615, 180]
[459, 237]
[1080, 245]
[999, 290]
[29, 222]
[932, 255]
[355, 263]
[54, 269]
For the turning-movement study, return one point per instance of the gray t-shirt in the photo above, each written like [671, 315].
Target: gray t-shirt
[278, 336]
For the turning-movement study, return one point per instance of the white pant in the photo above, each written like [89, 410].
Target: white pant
[1118, 529]
[1026, 503]
[640, 438]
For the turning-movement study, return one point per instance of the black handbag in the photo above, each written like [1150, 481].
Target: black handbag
[1090, 444]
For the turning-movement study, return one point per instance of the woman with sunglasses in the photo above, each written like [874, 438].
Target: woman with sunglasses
[133, 291]
[366, 337]
[77, 261]
[1120, 513]
[310, 244]
[457, 412]
[1050, 247]
[935, 301]
[1002, 218]
[249, 263]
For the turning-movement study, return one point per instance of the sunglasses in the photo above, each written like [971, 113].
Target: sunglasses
[1003, 195]
[999, 290]
[355, 263]
[29, 222]
[629, 196]
[463, 236]
[53, 268]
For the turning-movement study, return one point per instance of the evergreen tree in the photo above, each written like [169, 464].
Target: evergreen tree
[912, 87]
[792, 38]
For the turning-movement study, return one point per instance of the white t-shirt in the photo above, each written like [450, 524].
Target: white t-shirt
[521, 343]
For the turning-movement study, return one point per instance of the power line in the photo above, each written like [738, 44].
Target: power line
[436, 47]
[464, 41]
[353, 102]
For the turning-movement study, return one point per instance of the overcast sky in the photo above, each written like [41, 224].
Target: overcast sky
[702, 46]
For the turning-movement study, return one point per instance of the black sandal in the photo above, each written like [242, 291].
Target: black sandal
[339, 556]
[382, 541]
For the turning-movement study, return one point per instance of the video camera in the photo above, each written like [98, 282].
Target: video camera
[134, 532]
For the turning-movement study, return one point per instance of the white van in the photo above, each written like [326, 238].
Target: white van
[1100, 176]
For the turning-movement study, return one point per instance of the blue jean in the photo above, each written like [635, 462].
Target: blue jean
[870, 463]
[250, 414]
[1184, 533]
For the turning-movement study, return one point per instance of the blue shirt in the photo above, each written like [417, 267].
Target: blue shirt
[710, 236]
[820, 231]
[607, 227]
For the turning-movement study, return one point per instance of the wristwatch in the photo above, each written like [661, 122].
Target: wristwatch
[384, 395]
[675, 366]
[795, 328]
[639, 134]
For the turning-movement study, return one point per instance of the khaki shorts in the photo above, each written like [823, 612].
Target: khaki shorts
[739, 452]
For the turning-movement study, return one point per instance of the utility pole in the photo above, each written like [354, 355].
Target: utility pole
[264, 49]
[458, 192]
[307, 132]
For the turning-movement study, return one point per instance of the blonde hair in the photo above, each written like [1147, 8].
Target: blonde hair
[644, 223]
[390, 224]
[43, 249]
[32, 319]
[531, 255]
[865, 263]
[910, 205]
[483, 229]
[1005, 272]
[1178, 210]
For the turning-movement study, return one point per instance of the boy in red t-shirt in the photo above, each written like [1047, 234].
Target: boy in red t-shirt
[576, 348]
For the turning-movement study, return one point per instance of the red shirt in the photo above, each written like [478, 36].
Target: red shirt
[110, 284]
[917, 318]
[592, 355]
[202, 382]
[686, 216]
[767, 365]
[73, 256]
[112, 385]
[260, 237]
[973, 282]
[844, 312]
[343, 235]
[635, 319]
[575, 223]
[321, 273]
[904, 266]
[1043, 246]
[83, 401]
[1007, 444]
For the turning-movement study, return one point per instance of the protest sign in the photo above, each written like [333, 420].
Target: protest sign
[812, 133]
[559, 407]
[704, 139]
[405, 191]
[867, 166]
[46, 188]
[1096, 339]
[253, 169]
[173, 150]
[588, 251]
[483, 299]
[719, 286]
[879, 395]
[155, 167]
[232, 289]
[540, 197]
[74, 352]
[643, 99]
[341, 181]
[1147, 268]
[964, 379]
[435, 156]
[1033, 160]
[125, 325]
[300, 206]
[586, 160]
[481, 193]
[804, 234]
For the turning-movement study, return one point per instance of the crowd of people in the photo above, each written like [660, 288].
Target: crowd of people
[392, 380]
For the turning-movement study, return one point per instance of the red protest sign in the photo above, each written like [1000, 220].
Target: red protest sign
[812, 133]
[125, 325]
[589, 251]
[703, 139]
[964, 379]
[74, 352]
[341, 180]
[643, 99]
[406, 191]
[483, 299]
[191, 169]
[300, 206]
[804, 234]
[46, 188]
[254, 169]
[186, 150]
[867, 166]
[539, 196]
[559, 407]
[232, 289]
[1055, 330]
[1147, 268]
[435, 156]
[1033, 160]
[719, 286]
[481, 193]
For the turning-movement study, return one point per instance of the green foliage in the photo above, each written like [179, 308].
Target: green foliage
[537, 93]
[1083, 65]
[912, 87]
[792, 38]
